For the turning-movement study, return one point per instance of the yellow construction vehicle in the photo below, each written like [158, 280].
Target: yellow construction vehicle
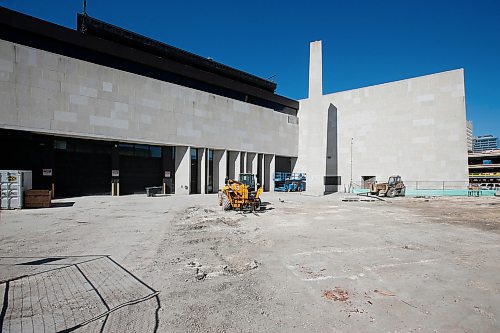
[243, 194]
[393, 187]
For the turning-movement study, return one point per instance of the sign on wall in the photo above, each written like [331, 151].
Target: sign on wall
[115, 173]
[47, 172]
[167, 174]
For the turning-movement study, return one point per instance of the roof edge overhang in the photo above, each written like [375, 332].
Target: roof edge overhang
[94, 27]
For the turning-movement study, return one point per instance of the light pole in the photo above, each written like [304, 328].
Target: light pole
[350, 184]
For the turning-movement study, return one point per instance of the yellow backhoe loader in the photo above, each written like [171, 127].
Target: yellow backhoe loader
[393, 187]
[243, 194]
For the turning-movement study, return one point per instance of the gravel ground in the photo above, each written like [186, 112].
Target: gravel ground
[304, 264]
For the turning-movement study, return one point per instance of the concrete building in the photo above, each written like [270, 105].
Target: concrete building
[484, 169]
[414, 128]
[86, 108]
[101, 110]
[470, 136]
[484, 143]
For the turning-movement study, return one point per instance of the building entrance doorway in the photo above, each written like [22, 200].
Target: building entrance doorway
[82, 167]
[210, 177]
[140, 167]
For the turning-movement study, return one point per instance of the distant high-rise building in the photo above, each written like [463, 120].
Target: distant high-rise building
[469, 136]
[485, 142]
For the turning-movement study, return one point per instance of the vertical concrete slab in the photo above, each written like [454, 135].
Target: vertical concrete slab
[238, 164]
[293, 163]
[220, 167]
[182, 169]
[260, 169]
[222, 170]
[202, 170]
[272, 170]
[269, 169]
[315, 69]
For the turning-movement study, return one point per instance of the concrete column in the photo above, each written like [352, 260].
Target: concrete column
[220, 167]
[260, 169]
[268, 169]
[182, 169]
[237, 164]
[202, 170]
[261, 161]
[272, 170]
[315, 69]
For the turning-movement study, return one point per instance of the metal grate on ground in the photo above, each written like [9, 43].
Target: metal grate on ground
[65, 294]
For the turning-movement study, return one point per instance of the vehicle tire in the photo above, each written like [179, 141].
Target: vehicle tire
[226, 204]
[391, 193]
[220, 198]
[257, 205]
[402, 192]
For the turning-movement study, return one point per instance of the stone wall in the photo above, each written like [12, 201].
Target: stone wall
[415, 128]
[49, 93]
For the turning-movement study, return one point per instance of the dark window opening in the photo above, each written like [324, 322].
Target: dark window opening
[210, 178]
[367, 181]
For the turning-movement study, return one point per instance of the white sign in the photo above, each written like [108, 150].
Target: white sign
[47, 172]
[115, 173]
[167, 174]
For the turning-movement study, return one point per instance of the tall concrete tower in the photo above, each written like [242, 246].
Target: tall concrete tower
[317, 131]
[315, 69]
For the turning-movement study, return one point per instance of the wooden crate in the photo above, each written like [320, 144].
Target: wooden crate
[37, 199]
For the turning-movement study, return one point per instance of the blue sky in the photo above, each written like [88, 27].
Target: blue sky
[364, 42]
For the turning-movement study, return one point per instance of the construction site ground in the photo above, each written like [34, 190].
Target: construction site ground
[303, 264]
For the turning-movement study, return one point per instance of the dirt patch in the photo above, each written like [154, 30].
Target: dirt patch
[197, 218]
[336, 294]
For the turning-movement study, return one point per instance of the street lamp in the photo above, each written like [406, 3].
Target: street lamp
[350, 184]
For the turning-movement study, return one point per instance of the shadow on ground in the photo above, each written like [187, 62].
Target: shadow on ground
[69, 293]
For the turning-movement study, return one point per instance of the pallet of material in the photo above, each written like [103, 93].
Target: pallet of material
[37, 199]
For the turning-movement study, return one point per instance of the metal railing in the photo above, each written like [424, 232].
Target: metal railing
[438, 188]
[436, 185]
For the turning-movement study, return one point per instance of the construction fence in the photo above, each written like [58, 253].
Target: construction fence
[438, 188]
